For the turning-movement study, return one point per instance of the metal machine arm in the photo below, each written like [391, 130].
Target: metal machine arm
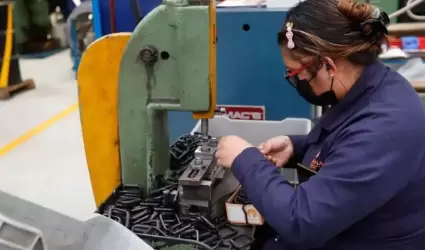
[165, 67]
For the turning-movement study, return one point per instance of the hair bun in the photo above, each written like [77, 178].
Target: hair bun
[356, 12]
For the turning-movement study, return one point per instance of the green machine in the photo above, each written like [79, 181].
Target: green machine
[168, 65]
[388, 6]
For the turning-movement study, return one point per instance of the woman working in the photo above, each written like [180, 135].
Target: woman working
[368, 148]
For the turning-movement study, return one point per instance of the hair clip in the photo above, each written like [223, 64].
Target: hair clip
[376, 13]
[290, 35]
[376, 26]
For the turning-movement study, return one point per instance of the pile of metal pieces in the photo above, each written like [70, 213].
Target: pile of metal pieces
[162, 221]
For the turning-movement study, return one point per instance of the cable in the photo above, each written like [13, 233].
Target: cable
[413, 15]
[409, 5]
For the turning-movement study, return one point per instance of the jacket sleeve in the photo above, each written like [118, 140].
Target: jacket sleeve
[300, 145]
[360, 174]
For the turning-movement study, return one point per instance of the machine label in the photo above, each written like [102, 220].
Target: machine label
[245, 112]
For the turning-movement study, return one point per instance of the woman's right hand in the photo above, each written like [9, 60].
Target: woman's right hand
[278, 150]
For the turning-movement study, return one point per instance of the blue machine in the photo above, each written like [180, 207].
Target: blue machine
[250, 70]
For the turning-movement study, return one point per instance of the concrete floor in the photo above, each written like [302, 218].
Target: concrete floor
[49, 168]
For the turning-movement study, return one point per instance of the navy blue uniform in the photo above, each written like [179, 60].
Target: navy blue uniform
[369, 192]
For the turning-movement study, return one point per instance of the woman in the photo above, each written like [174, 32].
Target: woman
[368, 148]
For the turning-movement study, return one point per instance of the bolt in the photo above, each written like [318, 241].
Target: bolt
[149, 55]
[198, 161]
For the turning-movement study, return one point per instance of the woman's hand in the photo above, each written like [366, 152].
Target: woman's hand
[229, 147]
[278, 150]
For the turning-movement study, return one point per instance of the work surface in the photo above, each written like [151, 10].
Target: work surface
[41, 150]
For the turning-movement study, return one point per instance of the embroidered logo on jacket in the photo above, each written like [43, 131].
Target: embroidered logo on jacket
[316, 164]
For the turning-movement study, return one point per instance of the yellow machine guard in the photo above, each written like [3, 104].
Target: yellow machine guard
[98, 76]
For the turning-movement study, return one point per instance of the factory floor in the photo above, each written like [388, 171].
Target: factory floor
[41, 150]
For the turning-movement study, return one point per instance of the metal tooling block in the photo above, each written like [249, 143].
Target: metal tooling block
[203, 166]
[195, 173]
[200, 184]
[210, 196]
[206, 150]
[202, 192]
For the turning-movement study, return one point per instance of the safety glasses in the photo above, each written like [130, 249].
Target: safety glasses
[292, 75]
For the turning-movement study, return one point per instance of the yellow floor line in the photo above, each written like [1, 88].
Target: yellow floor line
[36, 130]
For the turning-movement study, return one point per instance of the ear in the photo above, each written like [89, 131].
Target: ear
[330, 65]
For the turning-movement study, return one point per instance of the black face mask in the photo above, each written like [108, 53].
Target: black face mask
[305, 90]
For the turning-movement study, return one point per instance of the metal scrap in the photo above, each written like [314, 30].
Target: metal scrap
[158, 216]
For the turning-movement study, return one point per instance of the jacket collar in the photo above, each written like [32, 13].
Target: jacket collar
[369, 80]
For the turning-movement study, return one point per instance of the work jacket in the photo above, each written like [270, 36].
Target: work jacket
[369, 192]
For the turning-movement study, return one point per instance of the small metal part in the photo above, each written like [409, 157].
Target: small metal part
[142, 229]
[216, 243]
[226, 232]
[139, 215]
[166, 218]
[207, 222]
[159, 191]
[205, 235]
[124, 215]
[153, 223]
[142, 219]
[198, 161]
[211, 239]
[163, 209]
[192, 233]
[150, 204]
[181, 229]
[137, 209]
[160, 232]
[176, 226]
[241, 241]
[149, 55]
[128, 202]
[153, 215]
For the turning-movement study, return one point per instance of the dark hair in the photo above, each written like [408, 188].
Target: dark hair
[337, 29]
